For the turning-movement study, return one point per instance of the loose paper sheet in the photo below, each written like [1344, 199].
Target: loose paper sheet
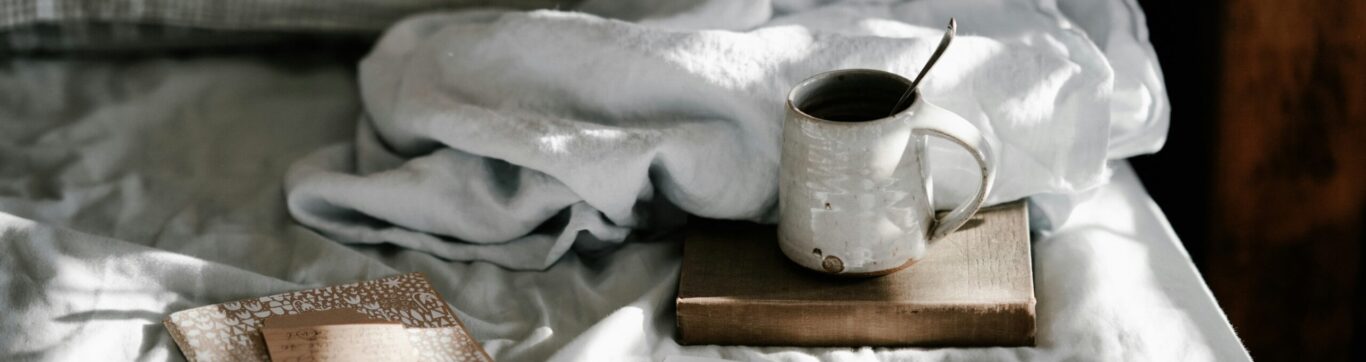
[339, 343]
[341, 334]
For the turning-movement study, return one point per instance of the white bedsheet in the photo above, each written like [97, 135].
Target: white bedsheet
[133, 189]
[524, 135]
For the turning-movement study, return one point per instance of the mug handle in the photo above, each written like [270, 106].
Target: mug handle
[936, 121]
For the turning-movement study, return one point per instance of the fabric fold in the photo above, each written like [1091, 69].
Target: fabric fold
[482, 125]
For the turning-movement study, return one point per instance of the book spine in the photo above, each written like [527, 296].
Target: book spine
[728, 322]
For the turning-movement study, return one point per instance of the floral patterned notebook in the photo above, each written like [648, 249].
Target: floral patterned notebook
[231, 331]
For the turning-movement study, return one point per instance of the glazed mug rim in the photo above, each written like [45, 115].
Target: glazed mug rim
[825, 76]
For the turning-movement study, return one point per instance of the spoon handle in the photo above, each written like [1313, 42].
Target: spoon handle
[943, 44]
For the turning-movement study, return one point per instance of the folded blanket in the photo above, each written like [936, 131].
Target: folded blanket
[513, 137]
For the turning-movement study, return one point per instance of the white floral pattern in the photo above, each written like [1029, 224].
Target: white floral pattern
[231, 331]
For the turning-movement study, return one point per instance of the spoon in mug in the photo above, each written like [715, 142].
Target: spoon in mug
[943, 44]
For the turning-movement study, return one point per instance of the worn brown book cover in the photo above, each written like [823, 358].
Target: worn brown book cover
[973, 288]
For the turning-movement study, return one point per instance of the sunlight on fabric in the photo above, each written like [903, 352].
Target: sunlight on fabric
[555, 143]
[1116, 271]
[1118, 219]
[749, 56]
[82, 290]
[968, 54]
[894, 29]
[622, 333]
[11, 222]
[559, 143]
[605, 134]
[1038, 103]
[681, 358]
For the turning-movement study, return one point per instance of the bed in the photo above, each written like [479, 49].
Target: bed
[135, 187]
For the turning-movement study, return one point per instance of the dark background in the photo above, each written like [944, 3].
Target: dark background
[1264, 172]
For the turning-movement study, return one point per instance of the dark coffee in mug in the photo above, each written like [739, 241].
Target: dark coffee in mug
[856, 98]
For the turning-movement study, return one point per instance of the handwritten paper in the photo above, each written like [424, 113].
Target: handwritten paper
[342, 335]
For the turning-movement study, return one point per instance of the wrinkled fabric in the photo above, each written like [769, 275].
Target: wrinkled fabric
[513, 137]
[133, 189]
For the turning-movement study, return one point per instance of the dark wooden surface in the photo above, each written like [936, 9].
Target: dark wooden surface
[1290, 177]
[1276, 132]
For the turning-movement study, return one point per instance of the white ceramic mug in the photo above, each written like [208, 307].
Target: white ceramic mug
[854, 192]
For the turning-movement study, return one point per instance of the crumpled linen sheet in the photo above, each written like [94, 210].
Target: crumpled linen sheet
[133, 189]
[514, 137]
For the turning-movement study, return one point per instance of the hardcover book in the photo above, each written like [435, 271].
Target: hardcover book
[975, 287]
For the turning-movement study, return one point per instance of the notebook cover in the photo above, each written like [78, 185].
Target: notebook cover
[974, 288]
[231, 331]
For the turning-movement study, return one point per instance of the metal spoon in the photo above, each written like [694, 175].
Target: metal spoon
[943, 44]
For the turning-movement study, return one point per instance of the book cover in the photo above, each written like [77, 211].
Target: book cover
[232, 331]
[975, 287]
